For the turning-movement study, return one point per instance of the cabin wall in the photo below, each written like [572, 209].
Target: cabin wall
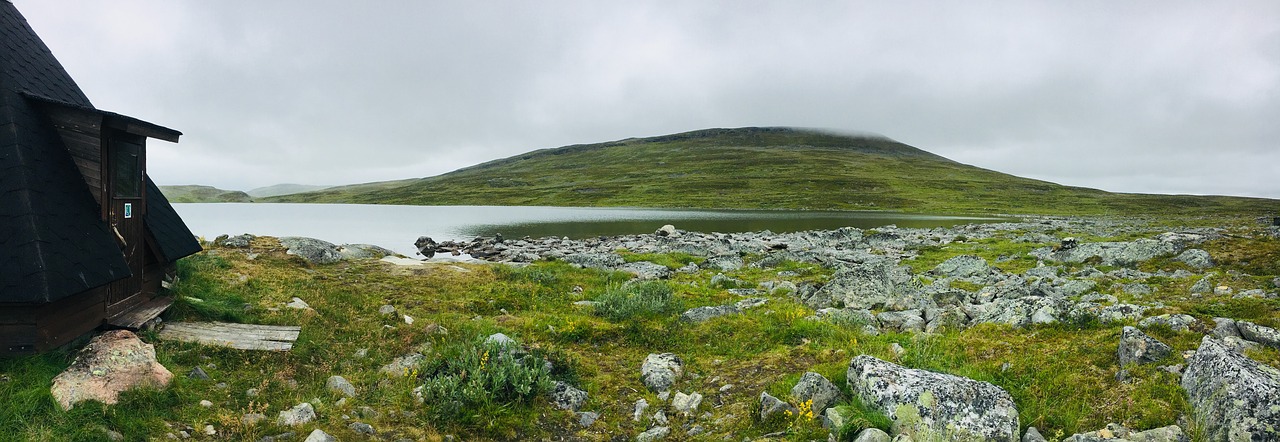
[27, 328]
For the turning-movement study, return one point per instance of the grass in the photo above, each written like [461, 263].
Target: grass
[1062, 376]
[755, 168]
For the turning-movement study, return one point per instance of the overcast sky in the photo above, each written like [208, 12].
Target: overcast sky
[1145, 96]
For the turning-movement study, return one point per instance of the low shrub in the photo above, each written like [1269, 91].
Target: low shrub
[637, 301]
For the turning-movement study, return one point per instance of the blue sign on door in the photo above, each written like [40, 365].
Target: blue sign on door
[128, 210]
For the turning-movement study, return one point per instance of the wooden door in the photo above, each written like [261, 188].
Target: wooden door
[125, 207]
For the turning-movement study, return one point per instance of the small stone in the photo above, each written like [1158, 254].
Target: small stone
[873, 435]
[686, 404]
[1137, 347]
[566, 397]
[209, 430]
[252, 392]
[298, 415]
[320, 436]
[340, 385]
[387, 309]
[653, 434]
[298, 303]
[1032, 435]
[586, 418]
[641, 406]
[408, 319]
[770, 406]
[197, 373]
[816, 388]
[206, 404]
[361, 428]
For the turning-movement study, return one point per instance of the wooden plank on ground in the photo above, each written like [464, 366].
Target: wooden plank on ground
[238, 336]
[135, 317]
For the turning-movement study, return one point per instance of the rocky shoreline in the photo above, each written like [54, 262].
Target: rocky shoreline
[1232, 396]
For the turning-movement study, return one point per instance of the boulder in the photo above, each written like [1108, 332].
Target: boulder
[875, 285]
[724, 263]
[771, 406]
[1178, 322]
[298, 415]
[595, 260]
[404, 365]
[686, 404]
[934, 406]
[1197, 258]
[646, 270]
[238, 241]
[660, 371]
[1112, 253]
[320, 436]
[963, 266]
[109, 364]
[363, 251]
[312, 250]
[427, 247]
[1137, 347]
[1263, 335]
[653, 434]
[566, 397]
[702, 314]
[872, 435]
[1233, 397]
[1032, 435]
[903, 321]
[815, 387]
[666, 230]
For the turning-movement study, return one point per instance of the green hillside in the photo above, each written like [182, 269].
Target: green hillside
[203, 194]
[762, 168]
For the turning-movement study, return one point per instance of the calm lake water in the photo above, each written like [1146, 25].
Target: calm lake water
[396, 227]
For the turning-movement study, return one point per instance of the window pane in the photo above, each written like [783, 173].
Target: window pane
[127, 174]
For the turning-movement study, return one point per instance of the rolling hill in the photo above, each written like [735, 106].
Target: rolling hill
[203, 194]
[762, 168]
[283, 189]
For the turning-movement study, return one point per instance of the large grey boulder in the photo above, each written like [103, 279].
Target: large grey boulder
[963, 266]
[595, 260]
[875, 285]
[1232, 397]
[1197, 258]
[660, 371]
[903, 321]
[1020, 312]
[934, 406]
[363, 251]
[1175, 322]
[771, 406]
[815, 387]
[1112, 253]
[1137, 347]
[312, 250]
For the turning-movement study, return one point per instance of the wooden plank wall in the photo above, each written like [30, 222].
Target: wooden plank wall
[81, 132]
[26, 328]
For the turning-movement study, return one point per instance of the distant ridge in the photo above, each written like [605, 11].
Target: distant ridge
[203, 194]
[283, 189]
[763, 168]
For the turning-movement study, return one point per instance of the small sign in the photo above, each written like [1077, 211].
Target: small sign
[128, 210]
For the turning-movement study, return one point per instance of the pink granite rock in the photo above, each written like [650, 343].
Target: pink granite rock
[112, 362]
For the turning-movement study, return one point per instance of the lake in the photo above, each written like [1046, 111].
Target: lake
[396, 227]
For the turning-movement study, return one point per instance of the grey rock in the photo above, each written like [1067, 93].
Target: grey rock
[1263, 335]
[1172, 433]
[1043, 271]
[312, 250]
[1136, 288]
[872, 435]
[318, 435]
[361, 428]
[726, 282]
[586, 418]
[1233, 397]
[298, 415]
[363, 251]
[1203, 286]
[387, 309]
[771, 406]
[403, 365]
[1023, 311]
[666, 230]
[1137, 347]
[595, 260]
[743, 292]
[238, 241]
[1112, 253]
[566, 397]
[641, 406]
[1175, 322]
[1032, 435]
[875, 285]
[660, 371]
[198, 373]
[653, 434]
[725, 263]
[934, 406]
[815, 387]
[646, 270]
[963, 266]
[904, 321]
[1197, 258]
[298, 304]
[501, 340]
[686, 404]
[702, 314]
[340, 385]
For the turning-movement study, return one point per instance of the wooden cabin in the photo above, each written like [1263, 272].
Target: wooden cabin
[85, 237]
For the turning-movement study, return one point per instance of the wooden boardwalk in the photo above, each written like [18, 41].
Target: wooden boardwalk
[238, 336]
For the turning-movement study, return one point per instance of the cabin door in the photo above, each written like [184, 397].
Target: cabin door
[124, 213]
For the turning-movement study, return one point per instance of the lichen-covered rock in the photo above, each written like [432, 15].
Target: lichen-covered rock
[1137, 347]
[815, 387]
[1232, 396]
[1175, 322]
[660, 371]
[1197, 258]
[646, 270]
[595, 260]
[653, 434]
[1263, 335]
[873, 435]
[686, 404]
[340, 385]
[963, 266]
[566, 397]
[725, 263]
[312, 250]
[298, 415]
[1023, 311]
[903, 321]
[875, 285]
[702, 314]
[934, 406]
[111, 363]
[1112, 253]
[771, 406]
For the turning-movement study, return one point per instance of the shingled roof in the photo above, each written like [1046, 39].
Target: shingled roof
[53, 242]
